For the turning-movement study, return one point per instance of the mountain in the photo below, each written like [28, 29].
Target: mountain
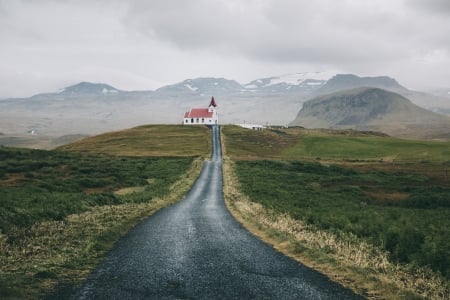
[290, 83]
[349, 81]
[435, 102]
[87, 88]
[372, 109]
[82, 89]
[209, 86]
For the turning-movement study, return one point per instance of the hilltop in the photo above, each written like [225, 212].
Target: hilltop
[341, 82]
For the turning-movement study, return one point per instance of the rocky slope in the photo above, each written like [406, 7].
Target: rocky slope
[372, 109]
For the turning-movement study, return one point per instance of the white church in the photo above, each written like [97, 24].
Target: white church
[202, 116]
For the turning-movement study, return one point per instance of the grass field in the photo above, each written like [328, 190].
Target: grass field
[303, 144]
[62, 209]
[150, 140]
[368, 148]
[355, 189]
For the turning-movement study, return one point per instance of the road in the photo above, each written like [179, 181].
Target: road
[196, 250]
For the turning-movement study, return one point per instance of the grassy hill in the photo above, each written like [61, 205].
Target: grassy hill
[335, 145]
[61, 210]
[373, 109]
[368, 210]
[150, 140]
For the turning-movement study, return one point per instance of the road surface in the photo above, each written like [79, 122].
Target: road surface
[196, 250]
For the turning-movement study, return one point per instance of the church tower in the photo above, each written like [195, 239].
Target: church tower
[212, 105]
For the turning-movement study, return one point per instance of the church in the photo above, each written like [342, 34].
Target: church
[202, 116]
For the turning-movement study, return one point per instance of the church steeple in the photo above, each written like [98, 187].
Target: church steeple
[212, 103]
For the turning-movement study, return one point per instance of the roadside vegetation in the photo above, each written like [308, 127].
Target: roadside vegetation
[61, 210]
[372, 212]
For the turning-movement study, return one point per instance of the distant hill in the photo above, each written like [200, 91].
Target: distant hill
[89, 88]
[306, 82]
[341, 82]
[372, 109]
[210, 86]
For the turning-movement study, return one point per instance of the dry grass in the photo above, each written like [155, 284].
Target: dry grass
[56, 254]
[345, 259]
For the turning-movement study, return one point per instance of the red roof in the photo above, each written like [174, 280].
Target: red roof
[198, 113]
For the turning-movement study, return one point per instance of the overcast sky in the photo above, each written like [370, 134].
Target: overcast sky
[46, 45]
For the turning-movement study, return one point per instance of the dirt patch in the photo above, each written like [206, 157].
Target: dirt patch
[130, 190]
[98, 190]
[13, 180]
[388, 196]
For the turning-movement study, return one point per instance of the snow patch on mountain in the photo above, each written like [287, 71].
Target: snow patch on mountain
[192, 88]
[106, 91]
[289, 81]
[299, 78]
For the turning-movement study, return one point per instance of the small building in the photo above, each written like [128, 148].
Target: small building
[256, 127]
[202, 116]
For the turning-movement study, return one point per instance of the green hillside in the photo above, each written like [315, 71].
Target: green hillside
[338, 145]
[355, 148]
[149, 140]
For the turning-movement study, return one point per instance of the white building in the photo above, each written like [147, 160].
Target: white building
[257, 127]
[202, 116]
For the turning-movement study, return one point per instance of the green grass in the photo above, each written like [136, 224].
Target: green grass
[302, 144]
[367, 148]
[38, 185]
[149, 140]
[414, 230]
[243, 143]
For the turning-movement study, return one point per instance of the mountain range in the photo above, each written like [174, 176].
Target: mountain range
[90, 108]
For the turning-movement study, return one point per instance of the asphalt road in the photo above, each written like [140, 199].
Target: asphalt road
[196, 250]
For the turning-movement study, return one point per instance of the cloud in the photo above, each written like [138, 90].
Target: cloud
[434, 6]
[283, 31]
[169, 40]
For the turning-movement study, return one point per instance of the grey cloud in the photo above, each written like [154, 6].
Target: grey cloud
[148, 39]
[283, 30]
[435, 6]
[186, 24]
